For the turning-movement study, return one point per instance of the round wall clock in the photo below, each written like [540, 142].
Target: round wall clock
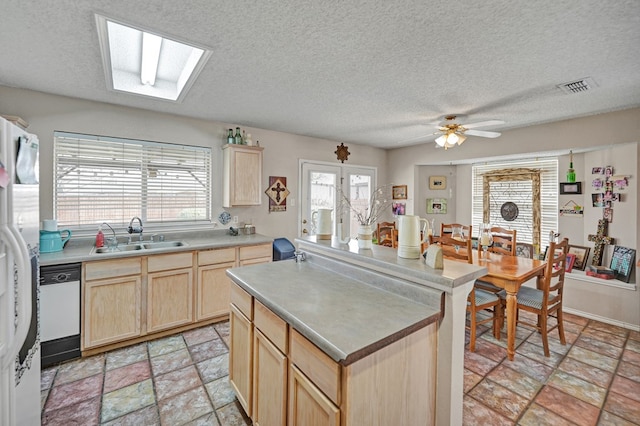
[509, 211]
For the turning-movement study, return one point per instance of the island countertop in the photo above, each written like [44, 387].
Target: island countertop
[347, 312]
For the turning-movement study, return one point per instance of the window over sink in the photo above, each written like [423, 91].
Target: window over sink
[101, 178]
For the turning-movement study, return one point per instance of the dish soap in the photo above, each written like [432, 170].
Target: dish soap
[99, 238]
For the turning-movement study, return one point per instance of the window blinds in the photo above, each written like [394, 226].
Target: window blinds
[521, 194]
[102, 179]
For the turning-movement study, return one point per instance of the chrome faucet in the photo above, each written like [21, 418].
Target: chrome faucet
[137, 229]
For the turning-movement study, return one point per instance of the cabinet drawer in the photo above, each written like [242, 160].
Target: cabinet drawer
[250, 252]
[316, 365]
[112, 268]
[242, 300]
[165, 262]
[271, 325]
[210, 257]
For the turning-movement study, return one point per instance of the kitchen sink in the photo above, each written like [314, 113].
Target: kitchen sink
[162, 244]
[146, 246]
[124, 247]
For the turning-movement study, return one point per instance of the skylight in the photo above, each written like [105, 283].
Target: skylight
[148, 64]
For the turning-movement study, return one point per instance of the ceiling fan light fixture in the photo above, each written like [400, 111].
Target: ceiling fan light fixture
[461, 138]
[441, 140]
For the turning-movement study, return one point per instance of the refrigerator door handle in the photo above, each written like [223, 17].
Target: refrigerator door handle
[20, 253]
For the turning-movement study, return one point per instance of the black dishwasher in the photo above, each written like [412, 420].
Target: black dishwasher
[59, 313]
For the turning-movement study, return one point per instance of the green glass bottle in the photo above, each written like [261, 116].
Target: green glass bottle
[571, 173]
[230, 138]
[238, 136]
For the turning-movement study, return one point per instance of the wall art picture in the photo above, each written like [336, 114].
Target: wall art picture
[436, 205]
[399, 192]
[437, 182]
[398, 208]
[622, 262]
[581, 253]
[277, 193]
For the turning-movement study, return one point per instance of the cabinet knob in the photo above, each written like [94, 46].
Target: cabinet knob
[304, 221]
[304, 231]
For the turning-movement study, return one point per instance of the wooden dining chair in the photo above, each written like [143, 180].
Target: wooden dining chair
[478, 300]
[385, 233]
[546, 300]
[504, 243]
[447, 228]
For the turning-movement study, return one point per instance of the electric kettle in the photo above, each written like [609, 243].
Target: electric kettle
[52, 241]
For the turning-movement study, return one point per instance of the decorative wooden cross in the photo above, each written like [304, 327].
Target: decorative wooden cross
[599, 241]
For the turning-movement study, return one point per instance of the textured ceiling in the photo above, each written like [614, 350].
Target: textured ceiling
[370, 72]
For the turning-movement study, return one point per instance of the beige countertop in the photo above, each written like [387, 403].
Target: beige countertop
[82, 249]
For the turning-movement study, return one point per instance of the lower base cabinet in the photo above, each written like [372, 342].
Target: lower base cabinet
[307, 404]
[281, 378]
[241, 357]
[269, 383]
[169, 299]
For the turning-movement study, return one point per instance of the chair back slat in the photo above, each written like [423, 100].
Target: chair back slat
[385, 233]
[454, 249]
[447, 228]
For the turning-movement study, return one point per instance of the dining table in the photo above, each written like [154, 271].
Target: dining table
[509, 273]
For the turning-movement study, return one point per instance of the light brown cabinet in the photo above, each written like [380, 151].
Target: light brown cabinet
[287, 373]
[269, 367]
[112, 301]
[213, 286]
[169, 291]
[138, 298]
[242, 175]
[241, 350]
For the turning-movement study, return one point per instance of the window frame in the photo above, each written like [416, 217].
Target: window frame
[169, 162]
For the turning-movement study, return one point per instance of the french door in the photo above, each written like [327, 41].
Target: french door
[323, 186]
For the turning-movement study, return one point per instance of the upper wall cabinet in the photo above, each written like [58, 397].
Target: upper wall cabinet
[242, 175]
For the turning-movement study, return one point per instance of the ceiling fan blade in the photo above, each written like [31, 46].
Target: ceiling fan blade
[427, 137]
[482, 133]
[482, 124]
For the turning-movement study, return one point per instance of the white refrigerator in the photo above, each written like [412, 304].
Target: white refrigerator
[19, 277]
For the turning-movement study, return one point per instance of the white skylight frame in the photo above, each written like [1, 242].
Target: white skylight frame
[179, 62]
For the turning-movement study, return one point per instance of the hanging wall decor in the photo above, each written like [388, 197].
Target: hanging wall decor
[436, 205]
[342, 152]
[277, 193]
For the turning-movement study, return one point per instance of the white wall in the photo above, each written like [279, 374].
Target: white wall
[599, 140]
[47, 113]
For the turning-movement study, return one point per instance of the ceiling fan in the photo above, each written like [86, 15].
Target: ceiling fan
[453, 133]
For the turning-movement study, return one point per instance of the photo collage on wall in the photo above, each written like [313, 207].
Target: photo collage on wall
[607, 187]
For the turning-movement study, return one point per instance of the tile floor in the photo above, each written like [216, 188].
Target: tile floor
[177, 380]
[183, 379]
[593, 380]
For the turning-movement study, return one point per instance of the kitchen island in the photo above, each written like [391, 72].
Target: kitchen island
[355, 336]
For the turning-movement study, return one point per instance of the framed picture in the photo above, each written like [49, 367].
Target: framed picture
[571, 259]
[398, 208]
[597, 200]
[581, 253]
[436, 205]
[399, 192]
[524, 250]
[571, 188]
[437, 182]
[622, 262]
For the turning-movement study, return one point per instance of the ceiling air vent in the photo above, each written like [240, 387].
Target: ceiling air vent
[578, 86]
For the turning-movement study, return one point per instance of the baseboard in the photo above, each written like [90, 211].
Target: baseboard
[605, 320]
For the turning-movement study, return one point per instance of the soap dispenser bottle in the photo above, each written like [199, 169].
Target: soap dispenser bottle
[99, 238]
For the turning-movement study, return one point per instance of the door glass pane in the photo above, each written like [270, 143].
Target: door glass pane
[322, 194]
[359, 195]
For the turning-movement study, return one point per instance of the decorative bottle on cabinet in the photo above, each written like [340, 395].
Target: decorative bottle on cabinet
[230, 138]
[238, 136]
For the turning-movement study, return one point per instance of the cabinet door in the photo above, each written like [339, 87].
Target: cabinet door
[169, 299]
[111, 310]
[240, 357]
[213, 294]
[269, 383]
[242, 176]
[308, 406]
